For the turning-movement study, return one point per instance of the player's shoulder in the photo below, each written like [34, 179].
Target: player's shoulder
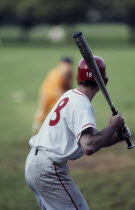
[77, 98]
[79, 94]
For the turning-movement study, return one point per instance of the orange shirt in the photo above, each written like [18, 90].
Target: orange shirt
[50, 91]
[52, 83]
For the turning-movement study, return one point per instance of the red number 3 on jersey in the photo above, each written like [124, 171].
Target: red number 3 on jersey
[60, 106]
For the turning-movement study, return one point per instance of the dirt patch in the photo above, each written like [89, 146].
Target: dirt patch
[101, 162]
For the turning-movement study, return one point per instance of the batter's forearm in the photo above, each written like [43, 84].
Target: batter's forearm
[115, 139]
[92, 143]
[103, 138]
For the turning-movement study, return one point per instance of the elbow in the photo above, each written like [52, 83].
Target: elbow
[89, 150]
[88, 145]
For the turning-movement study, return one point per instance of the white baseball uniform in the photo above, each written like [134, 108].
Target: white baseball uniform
[57, 142]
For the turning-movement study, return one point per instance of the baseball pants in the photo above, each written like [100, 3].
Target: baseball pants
[50, 181]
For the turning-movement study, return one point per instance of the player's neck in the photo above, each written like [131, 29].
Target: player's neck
[90, 93]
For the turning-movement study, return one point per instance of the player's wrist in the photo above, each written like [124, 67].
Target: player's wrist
[112, 128]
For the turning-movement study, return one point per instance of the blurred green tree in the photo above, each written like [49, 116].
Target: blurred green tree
[30, 12]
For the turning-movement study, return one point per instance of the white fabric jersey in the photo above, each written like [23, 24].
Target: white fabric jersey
[60, 133]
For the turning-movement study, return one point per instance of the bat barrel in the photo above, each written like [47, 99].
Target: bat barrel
[77, 34]
[88, 57]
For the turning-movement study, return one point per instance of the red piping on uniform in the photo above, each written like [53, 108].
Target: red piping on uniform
[84, 126]
[88, 124]
[81, 91]
[78, 135]
[78, 93]
[64, 186]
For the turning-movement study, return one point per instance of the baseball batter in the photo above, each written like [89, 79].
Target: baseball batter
[69, 132]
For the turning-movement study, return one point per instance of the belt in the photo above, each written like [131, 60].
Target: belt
[36, 151]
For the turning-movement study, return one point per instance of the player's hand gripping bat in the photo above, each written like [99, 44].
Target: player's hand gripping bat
[88, 57]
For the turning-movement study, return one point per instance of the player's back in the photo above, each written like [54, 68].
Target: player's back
[61, 130]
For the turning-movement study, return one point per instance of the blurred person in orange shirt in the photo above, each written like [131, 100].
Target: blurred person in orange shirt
[57, 82]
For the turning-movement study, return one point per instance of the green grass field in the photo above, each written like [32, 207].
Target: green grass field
[107, 178]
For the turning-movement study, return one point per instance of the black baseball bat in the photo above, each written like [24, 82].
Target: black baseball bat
[88, 57]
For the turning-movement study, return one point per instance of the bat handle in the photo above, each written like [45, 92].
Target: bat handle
[114, 111]
[129, 143]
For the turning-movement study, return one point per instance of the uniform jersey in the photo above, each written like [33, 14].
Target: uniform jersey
[60, 133]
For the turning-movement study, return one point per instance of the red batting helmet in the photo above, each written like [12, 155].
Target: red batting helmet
[85, 74]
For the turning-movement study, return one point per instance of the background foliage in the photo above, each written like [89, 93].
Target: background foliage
[29, 12]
